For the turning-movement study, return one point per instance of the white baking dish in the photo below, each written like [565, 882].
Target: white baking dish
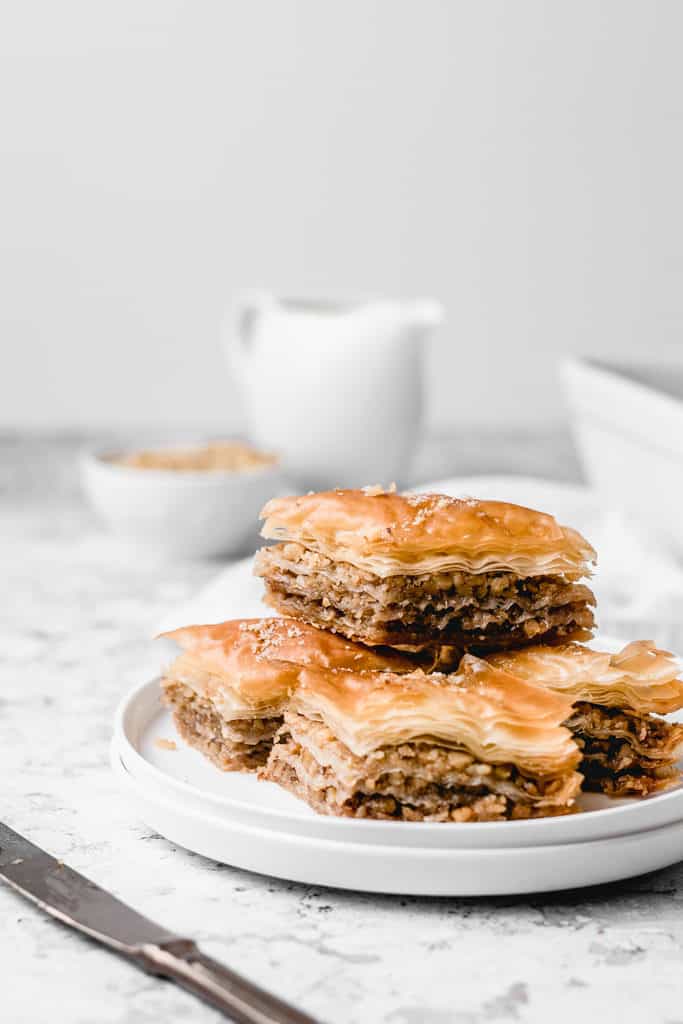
[628, 423]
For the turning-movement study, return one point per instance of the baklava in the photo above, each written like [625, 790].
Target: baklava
[478, 745]
[228, 687]
[426, 571]
[627, 750]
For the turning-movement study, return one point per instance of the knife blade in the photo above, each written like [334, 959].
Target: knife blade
[72, 898]
[78, 902]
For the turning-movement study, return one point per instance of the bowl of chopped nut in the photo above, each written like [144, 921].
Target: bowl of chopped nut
[189, 501]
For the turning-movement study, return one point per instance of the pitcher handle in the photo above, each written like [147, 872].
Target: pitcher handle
[237, 328]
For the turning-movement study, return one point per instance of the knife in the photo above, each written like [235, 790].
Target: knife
[78, 902]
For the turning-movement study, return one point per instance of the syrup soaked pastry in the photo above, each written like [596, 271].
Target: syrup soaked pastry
[627, 749]
[426, 571]
[229, 686]
[478, 745]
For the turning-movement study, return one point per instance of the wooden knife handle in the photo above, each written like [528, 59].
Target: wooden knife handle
[240, 1000]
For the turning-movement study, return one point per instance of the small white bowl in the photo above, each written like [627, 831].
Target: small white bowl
[181, 513]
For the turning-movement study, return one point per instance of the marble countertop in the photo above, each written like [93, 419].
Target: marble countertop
[77, 614]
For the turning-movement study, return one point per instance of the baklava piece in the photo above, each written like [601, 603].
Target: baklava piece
[478, 745]
[426, 571]
[228, 688]
[627, 749]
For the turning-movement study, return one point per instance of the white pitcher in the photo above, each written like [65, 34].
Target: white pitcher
[335, 389]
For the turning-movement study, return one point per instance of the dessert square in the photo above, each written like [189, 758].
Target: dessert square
[627, 750]
[426, 571]
[478, 745]
[228, 687]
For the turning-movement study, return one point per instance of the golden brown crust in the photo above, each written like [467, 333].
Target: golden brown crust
[394, 534]
[249, 667]
[640, 676]
[499, 718]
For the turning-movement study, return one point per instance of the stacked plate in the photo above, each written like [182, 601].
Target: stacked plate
[235, 819]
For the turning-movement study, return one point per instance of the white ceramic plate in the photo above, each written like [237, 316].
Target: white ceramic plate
[236, 819]
[405, 870]
[401, 869]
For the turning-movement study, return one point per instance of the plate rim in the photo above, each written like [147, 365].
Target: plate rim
[404, 852]
[463, 873]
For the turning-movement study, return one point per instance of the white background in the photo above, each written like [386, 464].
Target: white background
[522, 161]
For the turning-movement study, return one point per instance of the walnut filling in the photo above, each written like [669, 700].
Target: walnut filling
[235, 745]
[625, 753]
[418, 781]
[474, 612]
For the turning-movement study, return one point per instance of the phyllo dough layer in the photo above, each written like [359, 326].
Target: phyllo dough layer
[393, 534]
[229, 686]
[627, 749]
[478, 745]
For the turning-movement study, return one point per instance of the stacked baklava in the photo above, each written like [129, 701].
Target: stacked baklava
[429, 666]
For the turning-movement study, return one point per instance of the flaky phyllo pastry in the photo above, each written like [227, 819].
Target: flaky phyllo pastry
[426, 571]
[627, 750]
[478, 745]
[229, 686]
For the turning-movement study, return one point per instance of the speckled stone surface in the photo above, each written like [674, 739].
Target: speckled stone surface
[77, 612]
